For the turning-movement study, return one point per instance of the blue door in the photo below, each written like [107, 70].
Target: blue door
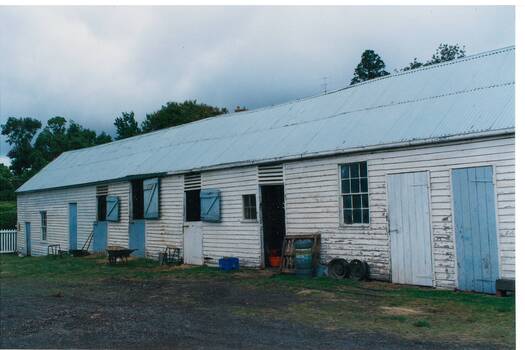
[136, 237]
[28, 238]
[100, 236]
[475, 225]
[72, 225]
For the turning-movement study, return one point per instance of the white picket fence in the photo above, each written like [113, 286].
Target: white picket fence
[7, 241]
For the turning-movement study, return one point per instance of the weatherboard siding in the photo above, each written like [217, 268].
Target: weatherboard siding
[56, 204]
[232, 236]
[312, 203]
[118, 231]
[167, 230]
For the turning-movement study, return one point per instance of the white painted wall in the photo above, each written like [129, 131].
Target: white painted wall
[232, 236]
[56, 203]
[168, 229]
[118, 231]
[312, 203]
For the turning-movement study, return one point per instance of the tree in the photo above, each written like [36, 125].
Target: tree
[51, 141]
[443, 53]
[7, 189]
[126, 126]
[20, 133]
[413, 65]
[370, 67]
[80, 137]
[174, 113]
[446, 52]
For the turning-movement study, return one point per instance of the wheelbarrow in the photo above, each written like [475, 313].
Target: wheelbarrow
[115, 253]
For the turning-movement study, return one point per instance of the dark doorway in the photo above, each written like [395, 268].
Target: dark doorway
[273, 220]
[193, 205]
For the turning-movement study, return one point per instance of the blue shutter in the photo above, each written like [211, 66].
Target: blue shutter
[112, 208]
[151, 198]
[211, 205]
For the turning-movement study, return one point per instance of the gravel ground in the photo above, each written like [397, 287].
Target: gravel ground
[168, 313]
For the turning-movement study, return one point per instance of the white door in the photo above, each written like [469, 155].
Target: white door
[410, 228]
[193, 243]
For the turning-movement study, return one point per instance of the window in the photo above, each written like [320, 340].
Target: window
[249, 207]
[43, 225]
[354, 192]
[137, 204]
[101, 208]
[193, 205]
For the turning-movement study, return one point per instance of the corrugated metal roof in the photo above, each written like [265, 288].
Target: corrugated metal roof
[467, 97]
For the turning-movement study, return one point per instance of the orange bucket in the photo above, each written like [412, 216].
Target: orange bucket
[275, 261]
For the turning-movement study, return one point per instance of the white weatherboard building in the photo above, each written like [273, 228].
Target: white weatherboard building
[413, 173]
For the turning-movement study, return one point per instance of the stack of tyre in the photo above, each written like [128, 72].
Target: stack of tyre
[355, 269]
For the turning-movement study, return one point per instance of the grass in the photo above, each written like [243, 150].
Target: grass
[409, 312]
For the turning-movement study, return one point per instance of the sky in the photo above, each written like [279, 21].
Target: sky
[89, 64]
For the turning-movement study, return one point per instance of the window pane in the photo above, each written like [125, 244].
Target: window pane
[355, 185]
[347, 202]
[365, 200]
[354, 170]
[345, 186]
[356, 201]
[249, 208]
[362, 169]
[366, 218]
[356, 215]
[364, 185]
[348, 216]
[344, 172]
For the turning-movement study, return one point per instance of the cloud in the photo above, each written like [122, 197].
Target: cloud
[91, 63]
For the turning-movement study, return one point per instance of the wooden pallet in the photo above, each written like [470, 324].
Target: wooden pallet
[288, 251]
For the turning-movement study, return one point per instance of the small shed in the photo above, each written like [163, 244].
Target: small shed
[412, 172]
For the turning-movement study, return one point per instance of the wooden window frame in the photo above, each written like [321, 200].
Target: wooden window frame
[43, 225]
[350, 193]
[249, 207]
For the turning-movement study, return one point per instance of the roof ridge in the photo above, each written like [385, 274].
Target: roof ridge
[371, 81]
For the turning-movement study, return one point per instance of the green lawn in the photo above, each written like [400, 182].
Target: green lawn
[409, 312]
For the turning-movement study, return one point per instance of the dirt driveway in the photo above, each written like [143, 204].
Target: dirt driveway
[67, 305]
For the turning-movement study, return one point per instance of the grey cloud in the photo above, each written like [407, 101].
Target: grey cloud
[90, 64]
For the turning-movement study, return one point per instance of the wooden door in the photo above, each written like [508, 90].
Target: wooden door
[410, 228]
[72, 225]
[28, 238]
[475, 226]
[193, 243]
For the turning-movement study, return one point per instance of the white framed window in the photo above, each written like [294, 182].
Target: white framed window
[249, 207]
[43, 225]
[354, 193]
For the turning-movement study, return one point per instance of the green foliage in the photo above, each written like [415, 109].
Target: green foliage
[444, 53]
[370, 67]
[413, 65]
[7, 186]
[126, 126]
[56, 137]
[20, 133]
[7, 215]
[174, 113]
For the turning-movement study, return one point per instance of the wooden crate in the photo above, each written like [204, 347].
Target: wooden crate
[288, 252]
